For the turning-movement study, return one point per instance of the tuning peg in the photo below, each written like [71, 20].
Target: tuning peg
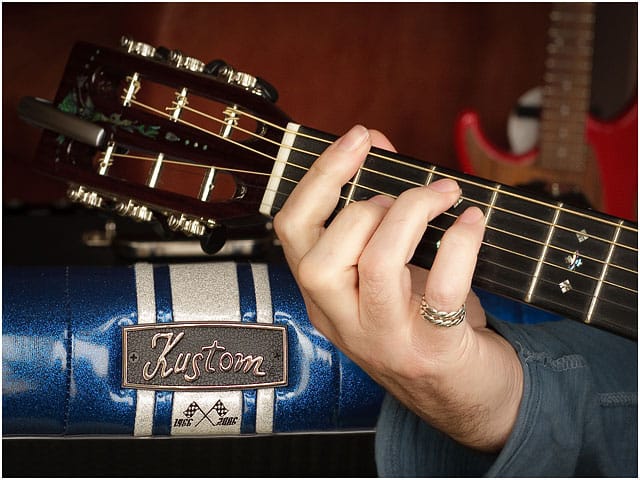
[178, 59]
[89, 198]
[222, 70]
[134, 210]
[140, 48]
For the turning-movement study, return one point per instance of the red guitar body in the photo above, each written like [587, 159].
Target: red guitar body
[609, 180]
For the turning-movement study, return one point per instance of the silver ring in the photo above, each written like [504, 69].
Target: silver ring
[442, 319]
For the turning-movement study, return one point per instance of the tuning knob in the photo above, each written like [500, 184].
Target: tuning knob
[178, 59]
[188, 226]
[131, 209]
[86, 197]
[257, 85]
[139, 48]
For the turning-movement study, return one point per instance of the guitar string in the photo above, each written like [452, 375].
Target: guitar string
[423, 169]
[268, 156]
[431, 225]
[588, 296]
[433, 170]
[532, 219]
[496, 229]
[159, 112]
[494, 189]
[440, 173]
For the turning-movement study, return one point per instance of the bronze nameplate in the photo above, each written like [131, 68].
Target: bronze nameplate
[203, 356]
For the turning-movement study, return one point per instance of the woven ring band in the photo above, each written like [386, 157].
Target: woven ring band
[442, 319]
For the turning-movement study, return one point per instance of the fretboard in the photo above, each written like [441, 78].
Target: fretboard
[577, 263]
[566, 94]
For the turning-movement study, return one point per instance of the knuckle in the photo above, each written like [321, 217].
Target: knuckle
[285, 225]
[313, 275]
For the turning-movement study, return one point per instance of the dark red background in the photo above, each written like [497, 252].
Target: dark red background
[406, 69]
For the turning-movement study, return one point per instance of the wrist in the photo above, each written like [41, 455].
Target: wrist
[472, 393]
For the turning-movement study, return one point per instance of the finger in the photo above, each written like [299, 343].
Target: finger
[302, 218]
[380, 141]
[329, 270]
[449, 280]
[384, 276]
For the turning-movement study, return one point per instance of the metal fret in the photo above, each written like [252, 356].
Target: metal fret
[603, 274]
[354, 184]
[429, 176]
[492, 202]
[536, 274]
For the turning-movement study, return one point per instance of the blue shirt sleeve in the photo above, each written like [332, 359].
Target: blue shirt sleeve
[578, 415]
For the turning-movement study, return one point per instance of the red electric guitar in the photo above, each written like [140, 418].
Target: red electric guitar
[577, 154]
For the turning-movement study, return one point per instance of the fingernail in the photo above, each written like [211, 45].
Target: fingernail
[353, 138]
[445, 185]
[471, 215]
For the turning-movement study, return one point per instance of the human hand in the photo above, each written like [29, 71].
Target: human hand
[362, 294]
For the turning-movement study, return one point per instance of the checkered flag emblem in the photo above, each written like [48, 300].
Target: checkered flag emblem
[220, 408]
[191, 410]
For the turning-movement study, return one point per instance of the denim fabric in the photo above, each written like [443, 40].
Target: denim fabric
[578, 416]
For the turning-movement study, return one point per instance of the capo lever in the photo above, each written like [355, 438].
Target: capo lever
[43, 114]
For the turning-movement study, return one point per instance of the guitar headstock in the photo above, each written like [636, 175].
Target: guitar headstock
[153, 134]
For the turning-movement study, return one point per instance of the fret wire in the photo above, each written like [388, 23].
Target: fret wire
[382, 173]
[494, 197]
[353, 186]
[534, 281]
[494, 189]
[603, 274]
[539, 202]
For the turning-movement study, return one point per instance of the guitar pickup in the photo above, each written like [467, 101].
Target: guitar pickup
[43, 114]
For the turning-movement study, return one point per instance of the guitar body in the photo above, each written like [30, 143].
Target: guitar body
[608, 180]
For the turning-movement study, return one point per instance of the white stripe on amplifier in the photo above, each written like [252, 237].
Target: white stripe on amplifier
[145, 399]
[280, 162]
[265, 397]
[264, 309]
[206, 292]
